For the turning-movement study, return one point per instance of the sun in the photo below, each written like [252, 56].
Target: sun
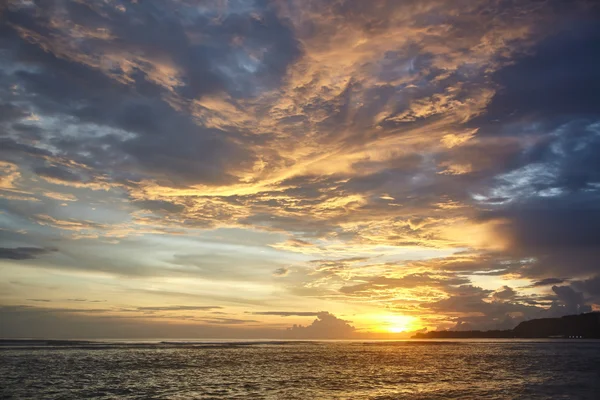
[398, 323]
[397, 329]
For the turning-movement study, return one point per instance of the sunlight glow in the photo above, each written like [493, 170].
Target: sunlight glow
[399, 323]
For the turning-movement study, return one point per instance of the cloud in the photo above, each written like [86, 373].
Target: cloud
[591, 286]
[408, 281]
[228, 321]
[572, 301]
[159, 205]
[177, 308]
[23, 253]
[289, 313]
[326, 326]
[57, 173]
[547, 282]
[475, 308]
[20, 309]
[391, 155]
[559, 234]
[86, 300]
[568, 85]
[545, 199]
[280, 272]
[125, 91]
[26, 321]
[31, 322]
[504, 293]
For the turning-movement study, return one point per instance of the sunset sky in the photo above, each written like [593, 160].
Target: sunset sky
[296, 168]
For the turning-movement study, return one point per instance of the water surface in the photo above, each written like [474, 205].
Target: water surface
[462, 369]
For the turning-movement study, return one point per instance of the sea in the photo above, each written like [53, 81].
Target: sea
[433, 369]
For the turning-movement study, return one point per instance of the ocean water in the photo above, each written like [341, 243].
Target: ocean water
[462, 369]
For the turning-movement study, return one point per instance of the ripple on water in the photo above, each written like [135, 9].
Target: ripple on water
[411, 370]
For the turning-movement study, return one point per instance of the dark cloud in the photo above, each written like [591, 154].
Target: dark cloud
[214, 63]
[590, 286]
[559, 78]
[59, 173]
[86, 300]
[479, 309]
[547, 282]
[572, 301]
[504, 293]
[279, 272]
[23, 253]
[547, 193]
[143, 132]
[551, 224]
[11, 148]
[560, 235]
[10, 112]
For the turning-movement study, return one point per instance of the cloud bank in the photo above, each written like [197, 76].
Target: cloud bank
[429, 159]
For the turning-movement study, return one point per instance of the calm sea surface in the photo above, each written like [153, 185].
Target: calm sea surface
[304, 370]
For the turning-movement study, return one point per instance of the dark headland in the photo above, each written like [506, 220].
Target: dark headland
[582, 326]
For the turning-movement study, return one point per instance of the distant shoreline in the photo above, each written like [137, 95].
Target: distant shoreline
[582, 326]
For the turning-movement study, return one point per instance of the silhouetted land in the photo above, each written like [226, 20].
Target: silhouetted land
[585, 326]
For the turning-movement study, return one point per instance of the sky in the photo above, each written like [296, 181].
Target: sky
[296, 168]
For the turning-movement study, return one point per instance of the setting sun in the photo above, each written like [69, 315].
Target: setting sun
[397, 329]
[398, 323]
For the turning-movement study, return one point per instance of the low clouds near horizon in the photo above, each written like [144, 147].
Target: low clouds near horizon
[206, 164]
